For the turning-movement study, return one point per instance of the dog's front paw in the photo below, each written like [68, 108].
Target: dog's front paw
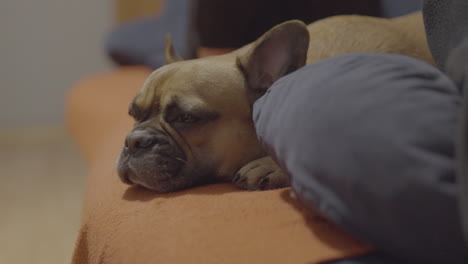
[261, 174]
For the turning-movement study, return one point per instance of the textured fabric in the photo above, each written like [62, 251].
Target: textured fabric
[210, 224]
[368, 140]
[446, 23]
[457, 68]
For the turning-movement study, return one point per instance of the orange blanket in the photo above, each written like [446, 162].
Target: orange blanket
[209, 224]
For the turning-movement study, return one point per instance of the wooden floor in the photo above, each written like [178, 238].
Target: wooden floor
[42, 179]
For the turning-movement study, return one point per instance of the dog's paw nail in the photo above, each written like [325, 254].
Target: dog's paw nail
[236, 177]
[242, 181]
[264, 183]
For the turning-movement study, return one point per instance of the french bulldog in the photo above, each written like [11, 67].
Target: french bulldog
[193, 118]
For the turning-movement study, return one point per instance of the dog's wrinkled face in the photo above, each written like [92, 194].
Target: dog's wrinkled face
[193, 120]
[190, 127]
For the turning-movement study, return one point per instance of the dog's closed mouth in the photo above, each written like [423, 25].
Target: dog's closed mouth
[148, 167]
[125, 177]
[149, 157]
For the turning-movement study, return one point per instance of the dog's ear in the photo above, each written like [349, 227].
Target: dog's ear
[281, 50]
[170, 52]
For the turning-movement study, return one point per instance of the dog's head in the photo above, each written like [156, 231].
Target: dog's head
[193, 119]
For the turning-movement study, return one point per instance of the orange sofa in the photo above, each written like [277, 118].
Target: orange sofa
[210, 224]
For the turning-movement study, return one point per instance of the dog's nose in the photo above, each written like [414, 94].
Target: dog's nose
[139, 139]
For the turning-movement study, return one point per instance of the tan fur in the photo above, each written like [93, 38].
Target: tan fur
[346, 34]
[226, 84]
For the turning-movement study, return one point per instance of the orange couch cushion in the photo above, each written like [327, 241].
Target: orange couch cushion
[210, 224]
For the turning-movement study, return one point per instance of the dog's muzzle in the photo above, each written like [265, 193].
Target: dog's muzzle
[149, 158]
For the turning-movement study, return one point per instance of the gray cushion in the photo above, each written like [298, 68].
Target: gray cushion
[368, 140]
[141, 42]
[395, 8]
[446, 24]
[457, 68]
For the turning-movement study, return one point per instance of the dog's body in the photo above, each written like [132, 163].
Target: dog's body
[193, 118]
[402, 35]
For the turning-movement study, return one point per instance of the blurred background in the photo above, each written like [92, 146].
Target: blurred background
[45, 47]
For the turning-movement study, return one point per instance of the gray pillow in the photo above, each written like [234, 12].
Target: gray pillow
[368, 140]
[446, 23]
[142, 41]
[395, 8]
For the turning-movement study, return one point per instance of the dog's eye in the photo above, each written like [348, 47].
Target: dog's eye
[186, 118]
